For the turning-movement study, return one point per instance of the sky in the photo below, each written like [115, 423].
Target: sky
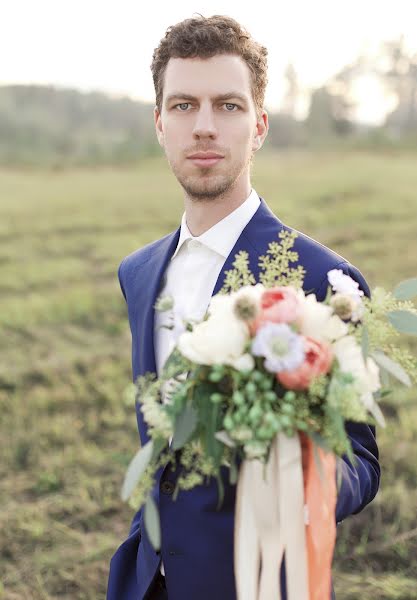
[107, 45]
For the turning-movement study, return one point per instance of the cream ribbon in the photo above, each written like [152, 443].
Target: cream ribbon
[270, 519]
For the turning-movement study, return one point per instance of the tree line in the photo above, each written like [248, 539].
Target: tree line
[45, 125]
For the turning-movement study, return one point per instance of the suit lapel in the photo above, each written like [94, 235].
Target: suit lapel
[260, 230]
[255, 237]
[153, 273]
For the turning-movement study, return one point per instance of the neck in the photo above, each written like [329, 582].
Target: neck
[201, 215]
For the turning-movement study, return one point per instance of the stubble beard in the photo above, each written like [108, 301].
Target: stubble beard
[206, 184]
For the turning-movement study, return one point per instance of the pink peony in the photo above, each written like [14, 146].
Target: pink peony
[279, 304]
[318, 361]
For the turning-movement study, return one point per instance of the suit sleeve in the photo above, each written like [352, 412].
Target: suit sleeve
[134, 526]
[359, 480]
[120, 276]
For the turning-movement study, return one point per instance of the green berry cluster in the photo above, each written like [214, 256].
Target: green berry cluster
[256, 413]
[258, 407]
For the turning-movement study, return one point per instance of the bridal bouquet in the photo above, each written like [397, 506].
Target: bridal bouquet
[263, 385]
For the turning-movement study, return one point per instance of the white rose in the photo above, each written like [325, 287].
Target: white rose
[246, 362]
[314, 317]
[219, 339]
[334, 329]
[219, 304]
[349, 356]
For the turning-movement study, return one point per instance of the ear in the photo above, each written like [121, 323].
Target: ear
[158, 126]
[256, 143]
[261, 131]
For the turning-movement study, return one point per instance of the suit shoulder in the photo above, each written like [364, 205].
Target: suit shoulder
[269, 225]
[138, 257]
[319, 259]
[309, 244]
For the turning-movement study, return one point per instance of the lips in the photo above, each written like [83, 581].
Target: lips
[206, 154]
[206, 162]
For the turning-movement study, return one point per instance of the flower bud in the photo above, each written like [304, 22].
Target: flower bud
[343, 305]
[245, 308]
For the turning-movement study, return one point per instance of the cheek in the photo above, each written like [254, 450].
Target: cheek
[244, 140]
[174, 132]
[172, 145]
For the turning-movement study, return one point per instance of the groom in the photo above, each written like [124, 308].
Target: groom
[210, 78]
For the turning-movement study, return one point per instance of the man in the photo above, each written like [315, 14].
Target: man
[210, 79]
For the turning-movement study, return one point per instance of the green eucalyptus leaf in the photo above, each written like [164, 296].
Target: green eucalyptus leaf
[152, 524]
[136, 469]
[176, 490]
[176, 364]
[202, 402]
[406, 289]
[404, 321]
[392, 367]
[213, 446]
[158, 445]
[233, 473]
[377, 413]
[185, 425]
[384, 377]
[220, 487]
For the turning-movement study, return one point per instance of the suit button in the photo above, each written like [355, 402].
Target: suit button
[167, 487]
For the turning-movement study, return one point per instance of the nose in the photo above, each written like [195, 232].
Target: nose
[204, 125]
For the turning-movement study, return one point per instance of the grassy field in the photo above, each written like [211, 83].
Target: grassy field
[67, 434]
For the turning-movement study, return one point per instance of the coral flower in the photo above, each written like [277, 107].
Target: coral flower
[318, 361]
[279, 304]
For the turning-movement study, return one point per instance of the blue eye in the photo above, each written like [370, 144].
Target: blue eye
[225, 104]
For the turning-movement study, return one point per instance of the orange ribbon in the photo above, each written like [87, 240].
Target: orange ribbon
[320, 496]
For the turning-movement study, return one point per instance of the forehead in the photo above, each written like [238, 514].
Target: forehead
[200, 76]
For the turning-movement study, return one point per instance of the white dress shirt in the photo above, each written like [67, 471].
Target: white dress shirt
[192, 274]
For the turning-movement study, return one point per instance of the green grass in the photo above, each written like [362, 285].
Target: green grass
[67, 434]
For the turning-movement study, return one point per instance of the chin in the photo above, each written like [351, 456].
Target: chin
[211, 188]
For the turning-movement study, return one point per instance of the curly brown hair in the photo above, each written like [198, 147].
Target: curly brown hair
[204, 37]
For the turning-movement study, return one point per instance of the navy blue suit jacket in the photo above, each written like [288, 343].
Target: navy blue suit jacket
[196, 539]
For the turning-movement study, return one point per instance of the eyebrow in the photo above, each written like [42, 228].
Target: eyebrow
[228, 96]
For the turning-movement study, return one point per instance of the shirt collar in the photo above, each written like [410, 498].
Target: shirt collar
[222, 236]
